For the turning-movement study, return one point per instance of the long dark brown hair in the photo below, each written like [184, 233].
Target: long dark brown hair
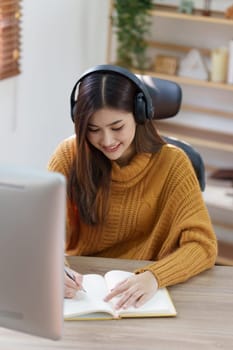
[90, 176]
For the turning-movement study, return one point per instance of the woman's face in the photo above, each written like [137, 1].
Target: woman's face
[112, 132]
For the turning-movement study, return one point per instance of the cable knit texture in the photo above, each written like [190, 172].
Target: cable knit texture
[156, 213]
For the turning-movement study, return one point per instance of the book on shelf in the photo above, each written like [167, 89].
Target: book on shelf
[89, 305]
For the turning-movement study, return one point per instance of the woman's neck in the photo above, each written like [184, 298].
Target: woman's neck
[127, 156]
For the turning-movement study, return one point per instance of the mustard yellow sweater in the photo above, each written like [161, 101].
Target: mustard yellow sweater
[156, 213]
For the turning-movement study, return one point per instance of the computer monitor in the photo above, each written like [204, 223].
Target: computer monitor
[32, 226]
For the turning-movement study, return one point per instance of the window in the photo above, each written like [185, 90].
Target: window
[9, 38]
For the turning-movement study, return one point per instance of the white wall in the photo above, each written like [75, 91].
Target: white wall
[60, 39]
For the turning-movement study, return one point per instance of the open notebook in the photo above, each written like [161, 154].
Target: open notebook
[90, 305]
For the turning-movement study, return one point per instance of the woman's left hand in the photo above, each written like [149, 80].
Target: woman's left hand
[134, 291]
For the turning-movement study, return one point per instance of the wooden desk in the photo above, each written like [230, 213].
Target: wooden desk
[204, 321]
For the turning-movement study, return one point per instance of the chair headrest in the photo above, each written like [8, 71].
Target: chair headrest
[166, 96]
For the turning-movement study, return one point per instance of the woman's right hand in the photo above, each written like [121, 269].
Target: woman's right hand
[72, 286]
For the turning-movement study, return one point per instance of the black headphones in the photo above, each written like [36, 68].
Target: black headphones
[143, 107]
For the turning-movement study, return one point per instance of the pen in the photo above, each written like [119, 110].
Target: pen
[71, 276]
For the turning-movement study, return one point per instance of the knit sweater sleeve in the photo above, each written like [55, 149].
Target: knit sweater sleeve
[63, 157]
[189, 225]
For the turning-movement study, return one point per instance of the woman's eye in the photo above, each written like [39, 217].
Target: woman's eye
[117, 129]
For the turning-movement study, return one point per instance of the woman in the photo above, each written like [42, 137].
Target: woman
[129, 194]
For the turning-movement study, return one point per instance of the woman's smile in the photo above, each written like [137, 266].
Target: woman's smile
[111, 149]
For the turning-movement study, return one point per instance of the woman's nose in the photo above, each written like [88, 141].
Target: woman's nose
[107, 139]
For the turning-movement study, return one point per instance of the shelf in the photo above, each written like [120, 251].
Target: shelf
[197, 136]
[174, 47]
[204, 110]
[187, 81]
[171, 12]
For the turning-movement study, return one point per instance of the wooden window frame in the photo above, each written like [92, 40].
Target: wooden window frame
[9, 38]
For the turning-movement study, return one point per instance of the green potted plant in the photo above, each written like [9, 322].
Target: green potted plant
[131, 22]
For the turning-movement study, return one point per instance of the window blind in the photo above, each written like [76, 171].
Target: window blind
[9, 38]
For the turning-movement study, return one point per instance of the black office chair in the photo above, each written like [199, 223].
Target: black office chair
[167, 96]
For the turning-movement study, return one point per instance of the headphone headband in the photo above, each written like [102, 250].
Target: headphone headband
[143, 92]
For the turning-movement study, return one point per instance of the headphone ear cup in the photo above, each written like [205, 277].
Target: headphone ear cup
[140, 111]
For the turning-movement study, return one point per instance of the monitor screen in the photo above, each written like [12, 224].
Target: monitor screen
[32, 227]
